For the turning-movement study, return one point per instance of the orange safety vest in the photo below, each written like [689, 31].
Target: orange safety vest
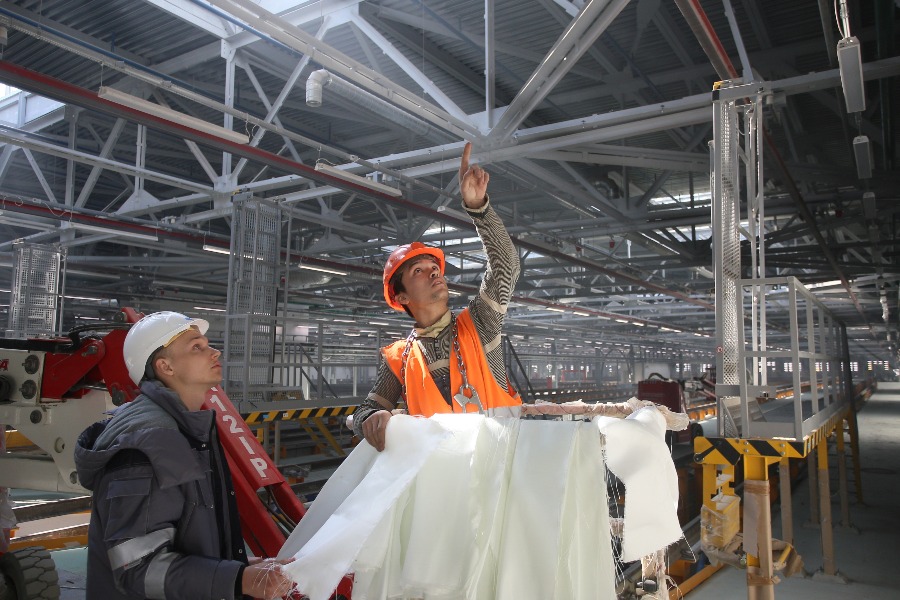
[422, 395]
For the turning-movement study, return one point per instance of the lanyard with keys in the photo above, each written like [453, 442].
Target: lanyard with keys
[460, 398]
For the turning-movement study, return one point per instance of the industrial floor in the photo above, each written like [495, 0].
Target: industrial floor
[864, 554]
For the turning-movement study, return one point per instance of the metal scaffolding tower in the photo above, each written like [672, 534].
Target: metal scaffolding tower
[785, 324]
[253, 283]
[778, 316]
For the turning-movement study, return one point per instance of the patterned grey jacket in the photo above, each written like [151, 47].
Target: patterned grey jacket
[488, 310]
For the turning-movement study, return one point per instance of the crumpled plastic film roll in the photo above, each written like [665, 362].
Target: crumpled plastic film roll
[358, 495]
[636, 452]
[463, 507]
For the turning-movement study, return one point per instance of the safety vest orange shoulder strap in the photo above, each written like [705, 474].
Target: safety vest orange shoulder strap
[422, 395]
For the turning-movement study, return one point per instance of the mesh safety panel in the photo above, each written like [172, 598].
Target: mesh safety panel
[730, 317]
[252, 297]
[35, 290]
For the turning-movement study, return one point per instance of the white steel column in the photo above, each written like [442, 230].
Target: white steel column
[140, 158]
[726, 245]
[490, 100]
[228, 121]
[72, 114]
[753, 164]
[735, 104]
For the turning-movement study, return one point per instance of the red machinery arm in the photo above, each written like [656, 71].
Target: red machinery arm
[251, 470]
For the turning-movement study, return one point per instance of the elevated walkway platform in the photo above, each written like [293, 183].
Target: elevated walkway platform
[864, 553]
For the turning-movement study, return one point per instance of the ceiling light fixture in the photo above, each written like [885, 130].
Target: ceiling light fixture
[176, 284]
[87, 298]
[216, 249]
[220, 250]
[322, 270]
[363, 181]
[862, 152]
[91, 274]
[555, 309]
[849, 55]
[209, 309]
[164, 112]
[118, 232]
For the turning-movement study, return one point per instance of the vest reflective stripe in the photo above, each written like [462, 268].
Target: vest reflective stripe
[130, 552]
[155, 577]
[422, 395]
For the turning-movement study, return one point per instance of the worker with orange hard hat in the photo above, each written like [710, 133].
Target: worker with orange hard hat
[449, 363]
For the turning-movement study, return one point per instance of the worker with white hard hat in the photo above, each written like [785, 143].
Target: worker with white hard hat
[449, 362]
[164, 521]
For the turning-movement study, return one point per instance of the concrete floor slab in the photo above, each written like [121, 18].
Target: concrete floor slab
[864, 553]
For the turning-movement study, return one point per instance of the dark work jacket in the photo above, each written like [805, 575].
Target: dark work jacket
[164, 521]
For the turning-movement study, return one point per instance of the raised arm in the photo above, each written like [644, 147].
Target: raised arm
[488, 309]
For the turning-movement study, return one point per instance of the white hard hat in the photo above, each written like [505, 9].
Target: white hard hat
[152, 333]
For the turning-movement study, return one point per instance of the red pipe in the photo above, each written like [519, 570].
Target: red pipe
[63, 91]
[714, 39]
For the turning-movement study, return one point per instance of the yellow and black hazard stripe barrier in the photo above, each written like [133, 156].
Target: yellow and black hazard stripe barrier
[270, 416]
[728, 451]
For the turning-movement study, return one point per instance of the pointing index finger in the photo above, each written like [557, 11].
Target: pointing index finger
[464, 162]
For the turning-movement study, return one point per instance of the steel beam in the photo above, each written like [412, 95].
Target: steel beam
[15, 137]
[299, 41]
[37, 172]
[584, 30]
[195, 16]
[411, 70]
[94, 175]
[490, 87]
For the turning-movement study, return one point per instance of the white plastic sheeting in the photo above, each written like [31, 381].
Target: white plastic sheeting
[636, 452]
[463, 507]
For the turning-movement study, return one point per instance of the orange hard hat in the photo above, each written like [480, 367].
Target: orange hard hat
[399, 256]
